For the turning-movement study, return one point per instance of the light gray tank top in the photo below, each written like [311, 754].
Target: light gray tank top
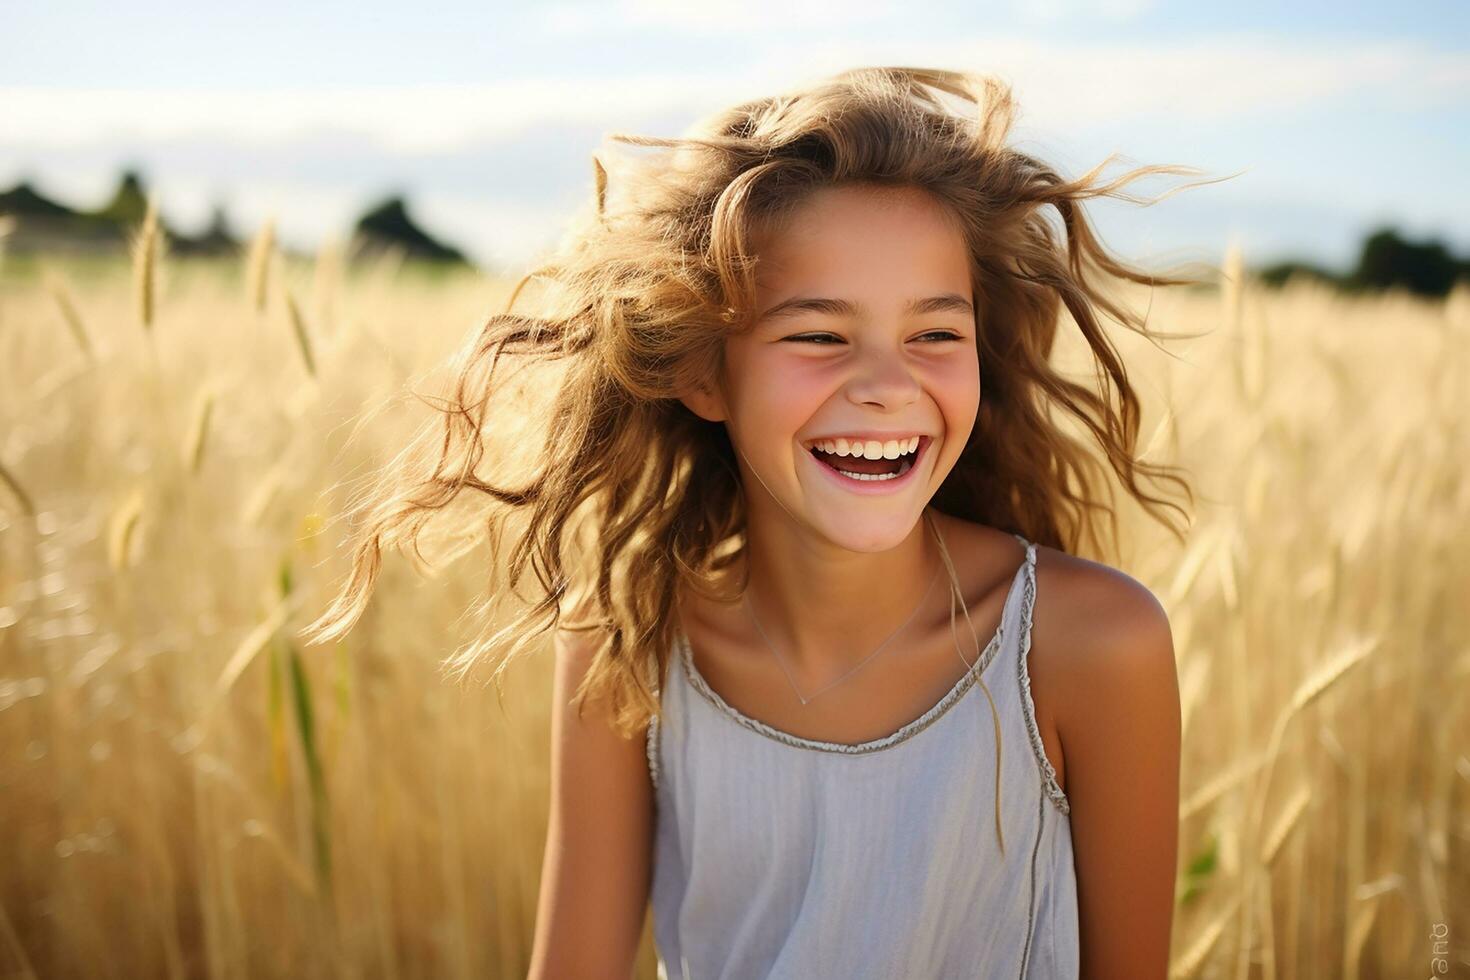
[782, 857]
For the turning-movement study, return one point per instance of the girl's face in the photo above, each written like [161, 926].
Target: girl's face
[865, 331]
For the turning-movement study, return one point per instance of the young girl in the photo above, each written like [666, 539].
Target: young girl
[830, 689]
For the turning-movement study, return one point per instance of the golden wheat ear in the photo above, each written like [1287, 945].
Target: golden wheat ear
[599, 176]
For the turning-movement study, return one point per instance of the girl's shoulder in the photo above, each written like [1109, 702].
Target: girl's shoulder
[1092, 610]
[1075, 584]
[1076, 598]
[1088, 618]
[1102, 650]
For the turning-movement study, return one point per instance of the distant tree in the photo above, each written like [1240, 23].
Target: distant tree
[217, 239]
[25, 201]
[219, 224]
[129, 203]
[1388, 260]
[389, 224]
[44, 225]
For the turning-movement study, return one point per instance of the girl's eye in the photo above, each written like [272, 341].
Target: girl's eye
[819, 337]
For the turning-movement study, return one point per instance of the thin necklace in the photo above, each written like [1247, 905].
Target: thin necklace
[804, 700]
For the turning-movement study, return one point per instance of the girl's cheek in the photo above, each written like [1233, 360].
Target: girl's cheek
[959, 379]
[956, 390]
[790, 380]
[778, 393]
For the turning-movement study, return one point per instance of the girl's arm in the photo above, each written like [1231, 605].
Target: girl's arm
[596, 871]
[1120, 731]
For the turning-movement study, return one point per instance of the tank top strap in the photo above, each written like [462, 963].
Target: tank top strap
[1017, 649]
[1016, 617]
[669, 692]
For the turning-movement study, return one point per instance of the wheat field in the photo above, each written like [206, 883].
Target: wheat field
[191, 792]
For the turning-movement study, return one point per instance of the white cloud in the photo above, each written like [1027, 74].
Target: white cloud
[1063, 11]
[409, 119]
[726, 17]
[1058, 83]
[731, 18]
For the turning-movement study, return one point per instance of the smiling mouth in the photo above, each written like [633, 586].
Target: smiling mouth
[869, 470]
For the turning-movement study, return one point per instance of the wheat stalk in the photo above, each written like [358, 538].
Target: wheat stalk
[56, 286]
[1284, 825]
[299, 874]
[1200, 551]
[27, 506]
[257, 273]
[198, 430]
[298, 330]
[123, 530]
[1328, 674]
[325, 283]
[261, 497]
[145, 265]
[1165, 432]
[1317, 684]
[1190, 961]
[249, 647]
[1224, 559]
[1220, 785]
[1357, 937]
[1194, 674]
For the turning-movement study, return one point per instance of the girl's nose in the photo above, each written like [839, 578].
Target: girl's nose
[882, 379]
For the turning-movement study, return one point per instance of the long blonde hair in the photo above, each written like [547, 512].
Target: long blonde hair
[635, 489]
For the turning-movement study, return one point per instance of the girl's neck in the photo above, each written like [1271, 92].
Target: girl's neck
[826, 610]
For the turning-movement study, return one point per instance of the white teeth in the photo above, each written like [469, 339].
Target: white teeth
[869, 448]
[903, 468]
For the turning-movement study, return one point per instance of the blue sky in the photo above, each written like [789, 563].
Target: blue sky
[1340, 117]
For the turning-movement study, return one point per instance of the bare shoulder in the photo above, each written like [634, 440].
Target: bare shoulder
[1095, 629]
[1087, 612]
[1095, 610]
[1100, 642]
[1104, 653]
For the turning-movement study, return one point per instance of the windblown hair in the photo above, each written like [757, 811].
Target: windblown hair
[659, 270]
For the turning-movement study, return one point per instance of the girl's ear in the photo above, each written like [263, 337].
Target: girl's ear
[705, 403]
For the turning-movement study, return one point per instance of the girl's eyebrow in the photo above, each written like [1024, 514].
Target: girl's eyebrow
[944, 303]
